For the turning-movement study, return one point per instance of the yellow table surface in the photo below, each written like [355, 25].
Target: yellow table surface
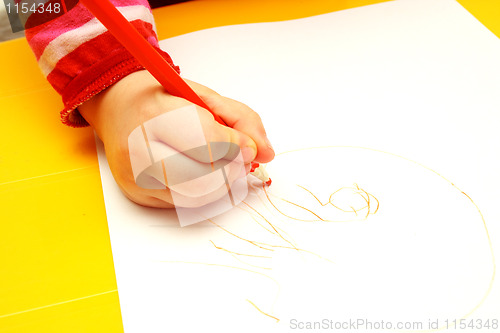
[56, 266]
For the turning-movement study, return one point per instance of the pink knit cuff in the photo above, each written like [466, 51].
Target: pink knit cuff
[96, 79]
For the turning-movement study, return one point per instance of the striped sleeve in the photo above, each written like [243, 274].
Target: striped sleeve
[80, 58]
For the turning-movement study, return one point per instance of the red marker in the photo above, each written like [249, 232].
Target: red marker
[146, 54]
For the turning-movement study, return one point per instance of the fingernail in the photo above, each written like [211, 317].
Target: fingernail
[248, 154]
[268, 143]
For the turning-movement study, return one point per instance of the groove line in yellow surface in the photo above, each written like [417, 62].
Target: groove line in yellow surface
[48, 175]
[59, 303]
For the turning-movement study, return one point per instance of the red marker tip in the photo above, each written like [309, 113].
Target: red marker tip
[254, 165]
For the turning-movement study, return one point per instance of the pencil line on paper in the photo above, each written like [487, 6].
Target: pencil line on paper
[266, 314]
[367, 197]
[56, 304]
[243, 239]
[272, 226]
[490, 243]
[358, 191]
[237, 253]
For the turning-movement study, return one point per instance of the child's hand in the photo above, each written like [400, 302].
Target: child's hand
[137, 98]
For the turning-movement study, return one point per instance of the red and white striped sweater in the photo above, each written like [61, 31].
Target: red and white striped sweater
[80, 58]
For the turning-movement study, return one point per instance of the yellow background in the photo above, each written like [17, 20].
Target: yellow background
[56, 268]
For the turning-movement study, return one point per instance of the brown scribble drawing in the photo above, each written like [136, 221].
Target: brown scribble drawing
[363, 205]
[371, 204]
[242, 269]
[281, 239]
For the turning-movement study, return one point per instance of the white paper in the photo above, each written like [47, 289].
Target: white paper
[403, 99]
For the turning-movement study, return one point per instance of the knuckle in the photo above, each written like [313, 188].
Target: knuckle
[255, 116]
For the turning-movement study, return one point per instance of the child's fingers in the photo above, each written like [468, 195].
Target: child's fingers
[219, 133]
[188, 183]
[188, 129]
[238, 116]
[244, 120]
